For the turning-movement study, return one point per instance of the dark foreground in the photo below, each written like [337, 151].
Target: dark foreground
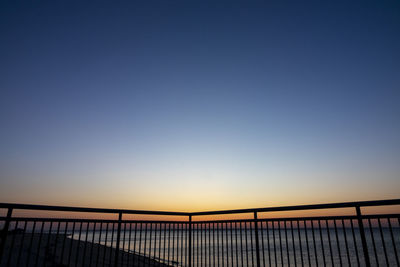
[52, 250]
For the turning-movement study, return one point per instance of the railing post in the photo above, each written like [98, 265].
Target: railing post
[190, 240]
[362, 233]
[257, 240]
[118, 239]
[4, 232]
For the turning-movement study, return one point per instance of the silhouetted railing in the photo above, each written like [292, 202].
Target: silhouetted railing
[349, 240]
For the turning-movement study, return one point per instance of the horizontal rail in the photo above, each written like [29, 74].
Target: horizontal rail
[202, 213]
[85, 209]
[304, 207]
[27, 219]
[343, 217]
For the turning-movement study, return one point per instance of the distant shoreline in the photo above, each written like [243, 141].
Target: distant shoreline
[61, 250]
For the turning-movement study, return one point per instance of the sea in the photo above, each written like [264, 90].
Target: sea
[237, 247]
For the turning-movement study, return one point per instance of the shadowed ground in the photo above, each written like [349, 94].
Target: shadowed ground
[53, 250]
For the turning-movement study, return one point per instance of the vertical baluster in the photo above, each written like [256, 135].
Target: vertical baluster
[155, 243]
[232, 256]
[262, 242]
[273, 238]
[38, 246]
[63, 245]
[22, 242]
[307, 243]
[236, 244]
[183, 233]
[218, 258]
[188, 248]
[247, 249]
[363, 239]
[30, 244]
[204, 243]
[373, 242]
[145, 243]
[355, 242]
[337, 242]
[151, 234]
[164, 240]
[393, 242]
[226, 244]
[383, 242]
[140, 243]
[322, 242]
[268, 245]
[4, 232]
[105, 243]
[301, 247]
[99, 244]
[70, 244]
[241, 244]
[213, 242]
[251, 244]
[187, 245]
[112, 243]
[173, 241]
[86, 241]
[210, 244]
[56, 243]
[123, 254]
[78, 245]
[293, 245]
[329, 241]
[280, 242]
[149, 229]
[159, 243]
[314, 243]
[287, 244]
[178, 246]
[345, 240]
[199, 243]
[118, 239]
[10, 253]
[91, 247]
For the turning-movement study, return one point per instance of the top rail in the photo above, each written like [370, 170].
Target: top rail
[85, 209]
[220, 212]
[305, 207]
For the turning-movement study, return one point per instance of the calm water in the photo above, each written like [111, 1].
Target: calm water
[237, 248]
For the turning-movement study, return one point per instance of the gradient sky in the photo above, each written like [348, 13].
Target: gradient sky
[196, 105]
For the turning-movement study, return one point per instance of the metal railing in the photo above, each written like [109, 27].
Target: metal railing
[345, 240]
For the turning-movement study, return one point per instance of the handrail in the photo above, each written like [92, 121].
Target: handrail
[305, 207]
[202, 213]
[86, 209]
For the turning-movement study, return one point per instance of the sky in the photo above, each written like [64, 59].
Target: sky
[199, 105]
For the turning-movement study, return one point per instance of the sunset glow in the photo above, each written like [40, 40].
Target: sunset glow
[192, 106]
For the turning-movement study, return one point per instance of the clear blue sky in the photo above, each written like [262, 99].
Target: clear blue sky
[195, 104]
